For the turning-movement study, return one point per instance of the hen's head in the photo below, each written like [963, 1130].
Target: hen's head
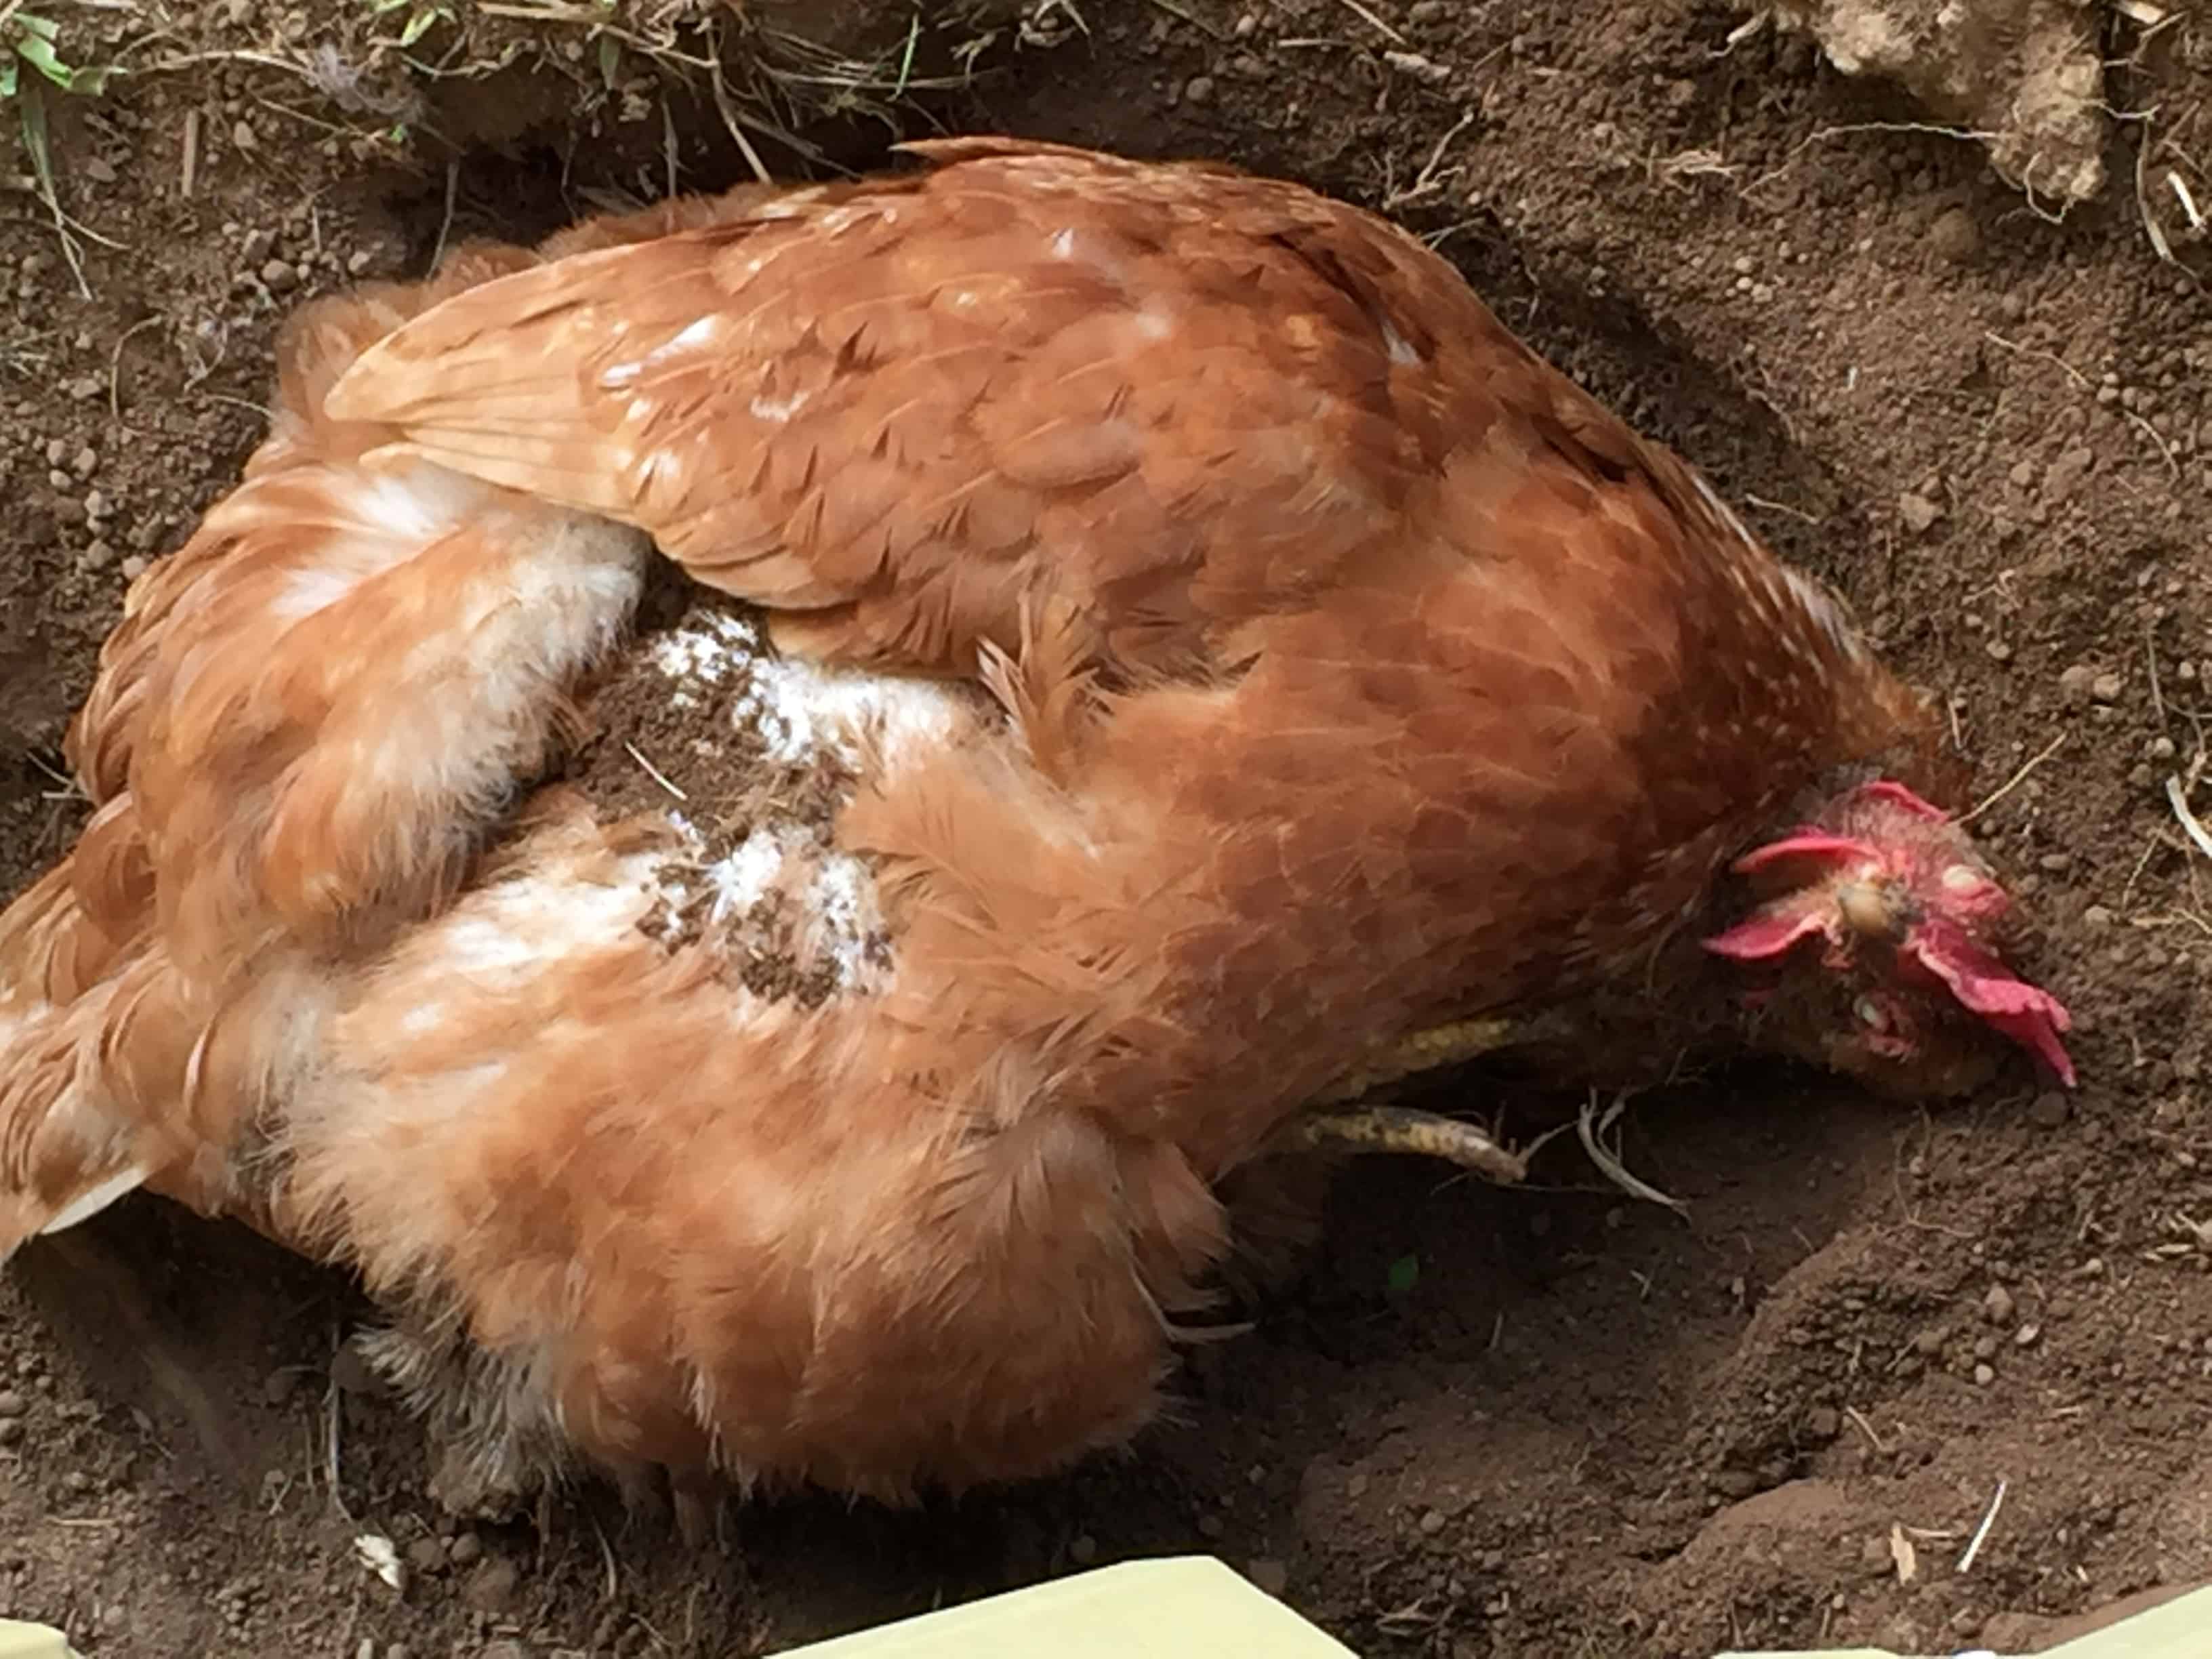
[1877, 935]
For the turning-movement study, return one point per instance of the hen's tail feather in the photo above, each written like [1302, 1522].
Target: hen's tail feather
[65, 1152]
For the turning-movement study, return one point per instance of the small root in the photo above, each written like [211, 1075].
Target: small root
[1592, 1128]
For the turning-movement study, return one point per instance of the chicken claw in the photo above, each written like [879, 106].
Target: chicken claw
[1405, 1129]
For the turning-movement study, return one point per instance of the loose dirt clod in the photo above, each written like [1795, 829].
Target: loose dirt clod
[2023, 76]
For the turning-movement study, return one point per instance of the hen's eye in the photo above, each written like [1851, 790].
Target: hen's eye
[1870, 1014]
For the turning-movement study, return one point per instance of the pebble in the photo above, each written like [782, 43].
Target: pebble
[1269, 1575]
[2073, 684]
[12, 1403]
[1954, 235]
[1997, 1307]
[1209, 1525]
[2064, 476]
[279, 1386]
[1823, 1423]
[504, 1648]
[281, 276]
[1083, 1549]
[1984, 1375]
[427, 1555]
[1199, 89]
[1432, 1522]
[1919, 513]
[2049, 1109]
[135, 567]
[2106, 687]
[491, 1586]
[2096, 916]
[11, 1431]
[2028, 1336]
[466, 1550]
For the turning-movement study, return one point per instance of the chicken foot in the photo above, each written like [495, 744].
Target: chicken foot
[1407, 1129]
[1403, 1129]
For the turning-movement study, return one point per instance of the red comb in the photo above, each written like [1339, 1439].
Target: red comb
[2028, 1015]
[1815, 844]
[1897, 795]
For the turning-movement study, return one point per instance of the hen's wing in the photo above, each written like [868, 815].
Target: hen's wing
[307, 719]
[1176, 395]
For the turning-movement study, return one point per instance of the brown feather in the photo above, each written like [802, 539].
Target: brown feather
[1352, 670]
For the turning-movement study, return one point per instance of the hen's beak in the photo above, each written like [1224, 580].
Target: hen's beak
[1876, 907]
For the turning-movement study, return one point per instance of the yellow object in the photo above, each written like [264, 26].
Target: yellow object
[1192, 1607]
[19, 1640]
[1195, 1607]
[1186, 1605]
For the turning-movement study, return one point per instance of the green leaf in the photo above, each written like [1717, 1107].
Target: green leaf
[609, 59]
[418, 25]
[39, 52]
[1405, 1273]
[7, 77]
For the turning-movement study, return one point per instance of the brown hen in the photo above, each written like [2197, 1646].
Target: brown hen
[1237, 654]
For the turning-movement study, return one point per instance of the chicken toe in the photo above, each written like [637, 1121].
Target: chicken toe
[1402, 1129]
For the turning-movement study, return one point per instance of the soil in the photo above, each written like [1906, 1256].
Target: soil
[1484, 1423]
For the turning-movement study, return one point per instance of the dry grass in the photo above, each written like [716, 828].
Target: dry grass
[364, 70]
